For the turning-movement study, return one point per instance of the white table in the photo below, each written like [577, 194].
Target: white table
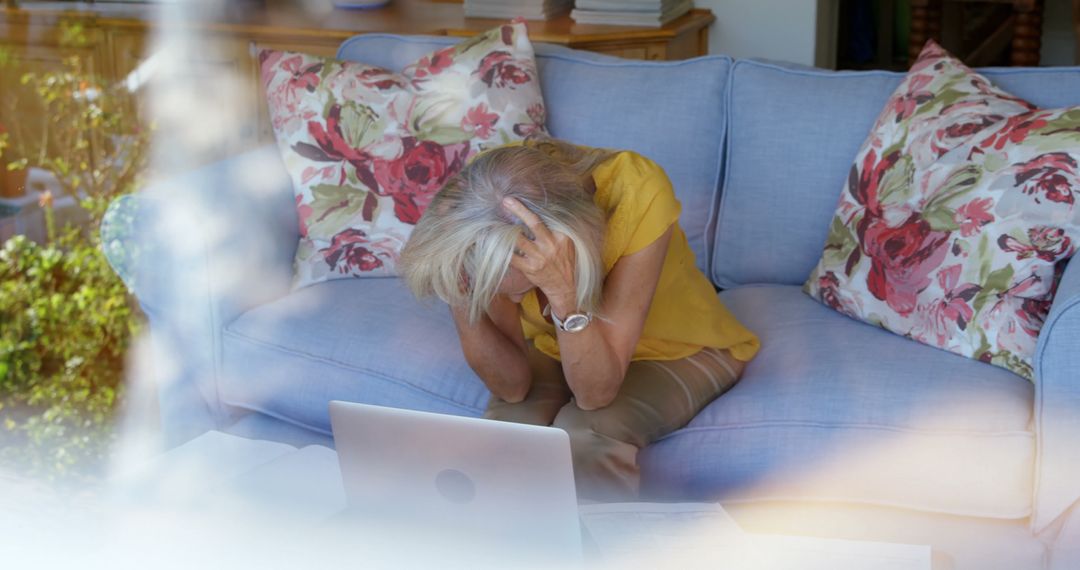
[222, 501]
[261, 477]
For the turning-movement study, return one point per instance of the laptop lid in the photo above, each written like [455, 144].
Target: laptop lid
[506, 485]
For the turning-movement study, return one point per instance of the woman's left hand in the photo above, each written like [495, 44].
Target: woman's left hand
[547, 261]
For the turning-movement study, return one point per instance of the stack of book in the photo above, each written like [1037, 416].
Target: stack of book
[509, 9]
[646, 13]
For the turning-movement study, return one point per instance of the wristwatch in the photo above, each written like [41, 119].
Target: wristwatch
[575, 322]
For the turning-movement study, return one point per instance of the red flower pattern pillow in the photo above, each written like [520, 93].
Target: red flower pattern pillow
[368, 148]
[958, 216]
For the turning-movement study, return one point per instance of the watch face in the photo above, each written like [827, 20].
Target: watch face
[575, 323]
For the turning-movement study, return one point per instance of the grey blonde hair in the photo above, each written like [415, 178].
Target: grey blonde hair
[461, 247]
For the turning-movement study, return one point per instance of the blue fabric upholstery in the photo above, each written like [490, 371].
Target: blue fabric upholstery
[807, 420]
[606, 101]
[361, 340]
[1057, 403]
[786, 158]
[792, 136]
[831, 409]
[212, 244]
[834, 409]
[261, 426]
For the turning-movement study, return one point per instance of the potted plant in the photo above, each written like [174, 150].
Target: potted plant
[68, 319]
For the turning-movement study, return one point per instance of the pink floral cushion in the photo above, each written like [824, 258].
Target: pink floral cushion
[957, 217]
[367, 148]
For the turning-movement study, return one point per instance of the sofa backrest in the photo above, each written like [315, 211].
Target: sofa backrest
[792, 136]
[671, 112]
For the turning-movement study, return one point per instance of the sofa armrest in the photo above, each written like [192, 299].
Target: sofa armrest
[1057, 404]
[211, 244]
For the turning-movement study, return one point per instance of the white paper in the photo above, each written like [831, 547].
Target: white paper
[703, 535]
[673, 535]
[777, 552]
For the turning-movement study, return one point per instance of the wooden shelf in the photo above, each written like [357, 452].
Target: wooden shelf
[685, 37]
[119, 36]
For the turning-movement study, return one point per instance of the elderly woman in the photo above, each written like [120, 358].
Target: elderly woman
[577, 300]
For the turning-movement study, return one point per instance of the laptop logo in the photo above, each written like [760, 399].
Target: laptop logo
[455, 486]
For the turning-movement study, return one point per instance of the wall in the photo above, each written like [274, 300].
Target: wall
[772, 29]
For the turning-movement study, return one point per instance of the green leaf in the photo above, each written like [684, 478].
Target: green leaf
[1010, 361]
[946, 96]
[1062, 129]
[994, 162]
[839, 244]
[895, 186]
[984, 345]
[333, 208]
[432, 120]
[329, 68]
[941, 219]
[305, 250]
[1071, 116]
[960, 182]
[445, 135]
[895, 147]
[360, 124]
[1053, 142]
[981, 257]
[999, 280]
[329, 104]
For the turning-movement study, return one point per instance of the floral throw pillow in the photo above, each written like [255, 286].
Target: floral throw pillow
[957, 217]
[368, 148]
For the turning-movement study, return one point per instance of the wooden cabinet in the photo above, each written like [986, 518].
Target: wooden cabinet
[217, 68]
[45, 45]
[683, 38]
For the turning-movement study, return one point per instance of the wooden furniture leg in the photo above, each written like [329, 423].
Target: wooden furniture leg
[1027, 35]
[925, 25]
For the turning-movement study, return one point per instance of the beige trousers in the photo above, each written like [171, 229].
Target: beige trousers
[656, 398]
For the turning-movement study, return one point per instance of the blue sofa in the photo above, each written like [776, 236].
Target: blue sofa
[837, 427]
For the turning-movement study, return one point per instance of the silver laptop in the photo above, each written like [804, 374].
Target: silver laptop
[469, 484]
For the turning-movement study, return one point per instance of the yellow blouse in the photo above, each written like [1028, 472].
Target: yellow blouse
[685, 315]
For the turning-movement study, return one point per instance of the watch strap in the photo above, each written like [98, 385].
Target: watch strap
[559, 323]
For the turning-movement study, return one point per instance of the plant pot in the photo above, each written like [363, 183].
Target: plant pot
[13, 183]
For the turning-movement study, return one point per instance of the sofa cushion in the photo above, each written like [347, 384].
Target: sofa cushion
[792, 136]
[671, 112]
[957, 209]
[367, 148]
[885, 421]
[838, 410]
[361, 340]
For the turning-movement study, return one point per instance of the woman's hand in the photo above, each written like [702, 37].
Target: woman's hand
[547, 261]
